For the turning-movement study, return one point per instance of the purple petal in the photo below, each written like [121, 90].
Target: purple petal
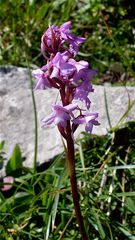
[43, 82]
[89, 127]
[60, 115]
[89, 119]
[55, 73]
[64, 28]
[71, 107]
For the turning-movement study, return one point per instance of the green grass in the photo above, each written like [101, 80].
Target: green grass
[23, 23]
[40, 206]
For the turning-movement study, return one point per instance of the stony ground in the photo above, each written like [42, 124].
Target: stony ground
[17, 117]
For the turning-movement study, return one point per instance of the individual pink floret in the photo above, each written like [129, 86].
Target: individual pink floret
[42, 77]
[88, 119]
[60, 115]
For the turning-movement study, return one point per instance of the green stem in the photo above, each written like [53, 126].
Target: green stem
[73, 180]
[35, 121]
[36, 133]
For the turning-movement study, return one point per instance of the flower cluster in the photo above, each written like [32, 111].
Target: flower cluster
[70, 77]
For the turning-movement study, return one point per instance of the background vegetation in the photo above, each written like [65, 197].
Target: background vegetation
[39, 205]
[24, 21]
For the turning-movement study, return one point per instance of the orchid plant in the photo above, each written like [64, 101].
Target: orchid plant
[72, 79]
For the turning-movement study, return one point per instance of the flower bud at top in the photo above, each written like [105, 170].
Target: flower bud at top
[54, 38]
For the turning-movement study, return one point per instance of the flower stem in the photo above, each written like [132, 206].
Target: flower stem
[35, 122]
[73, 181]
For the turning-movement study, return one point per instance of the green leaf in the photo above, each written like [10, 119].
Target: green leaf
[14, 164]
[2, 145]
[99, 224]
[126, 233]
[56, 199]
[131, 205]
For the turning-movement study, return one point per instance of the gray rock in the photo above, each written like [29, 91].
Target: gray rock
[17, 117]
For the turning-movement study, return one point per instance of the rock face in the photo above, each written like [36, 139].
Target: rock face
[17, 116]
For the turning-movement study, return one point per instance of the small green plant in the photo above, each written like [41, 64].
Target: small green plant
[43, 208]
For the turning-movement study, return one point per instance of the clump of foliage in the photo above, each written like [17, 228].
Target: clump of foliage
[39, 206]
